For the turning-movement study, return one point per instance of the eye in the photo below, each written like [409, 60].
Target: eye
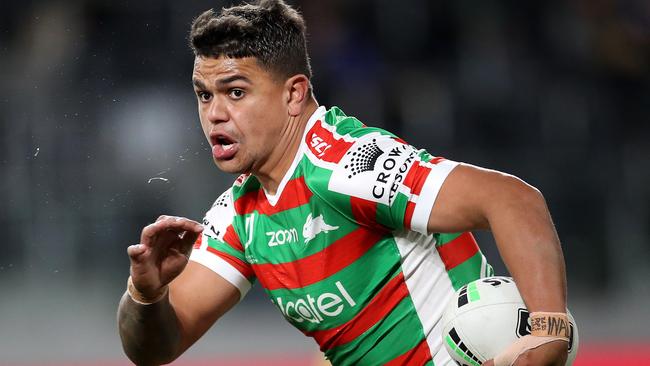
[203, 96]
[236, 93]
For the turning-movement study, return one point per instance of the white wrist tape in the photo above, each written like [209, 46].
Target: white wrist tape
[139, 298]
[508, 356]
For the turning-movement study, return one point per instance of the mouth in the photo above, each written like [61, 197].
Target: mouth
[224, 147]
[226, 142]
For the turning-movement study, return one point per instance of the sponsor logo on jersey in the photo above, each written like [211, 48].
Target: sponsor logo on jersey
[209, 230]
[324, 145]
[314, 308]
[315, 226]
[281, 237]
[212, 222]
[223, 200]
[374, 170]
[318, 145]
[363, 158]
[391, 174]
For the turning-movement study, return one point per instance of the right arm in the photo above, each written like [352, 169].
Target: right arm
[193, 296]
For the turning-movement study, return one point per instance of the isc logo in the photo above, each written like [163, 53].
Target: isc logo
[281, 237]
[318, 145]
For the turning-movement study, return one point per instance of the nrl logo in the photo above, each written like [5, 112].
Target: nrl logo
[314, 227]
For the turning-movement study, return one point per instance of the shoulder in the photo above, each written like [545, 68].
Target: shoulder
[330, 137]
[222, 212]
[374, 167]
[219, 216]
[360, 161]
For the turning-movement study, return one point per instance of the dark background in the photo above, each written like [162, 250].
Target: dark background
[96, 99]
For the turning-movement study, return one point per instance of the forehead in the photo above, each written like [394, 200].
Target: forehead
[212, 69]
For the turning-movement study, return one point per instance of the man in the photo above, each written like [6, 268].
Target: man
[339, 222]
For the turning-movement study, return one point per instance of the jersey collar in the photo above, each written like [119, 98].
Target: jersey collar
[318, 114]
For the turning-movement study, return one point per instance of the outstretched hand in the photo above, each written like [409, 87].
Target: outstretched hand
[162, 254]
[549, 354]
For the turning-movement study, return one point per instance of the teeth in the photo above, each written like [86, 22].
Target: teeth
[227, 146]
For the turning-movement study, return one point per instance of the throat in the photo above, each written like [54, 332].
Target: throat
[279, 165]
[283, 158]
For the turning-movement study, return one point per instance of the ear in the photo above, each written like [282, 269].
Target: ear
[298, 91]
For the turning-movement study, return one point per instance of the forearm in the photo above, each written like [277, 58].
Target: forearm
[150, 333]
[530, 248]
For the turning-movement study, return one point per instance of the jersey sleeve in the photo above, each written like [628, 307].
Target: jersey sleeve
[389, 181]
[219, 247]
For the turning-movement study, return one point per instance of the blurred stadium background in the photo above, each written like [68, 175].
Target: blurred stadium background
[95, 100]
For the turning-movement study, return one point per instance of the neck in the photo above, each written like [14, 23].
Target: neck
[279, 162]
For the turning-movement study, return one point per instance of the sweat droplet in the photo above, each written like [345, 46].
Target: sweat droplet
[157, 178]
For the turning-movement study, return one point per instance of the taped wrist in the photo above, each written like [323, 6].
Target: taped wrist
[545, 324]
[140, 298]
[508, 356]
[545, 327]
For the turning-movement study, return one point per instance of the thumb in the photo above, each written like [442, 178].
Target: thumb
[488, 363]
[135, 252]
[140, 258]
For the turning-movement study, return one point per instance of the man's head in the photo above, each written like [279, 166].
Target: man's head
[271, 32]
[252, 80]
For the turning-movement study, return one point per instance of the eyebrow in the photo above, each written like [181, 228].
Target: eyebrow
[198, 83]
[222, 82]
[230, 79]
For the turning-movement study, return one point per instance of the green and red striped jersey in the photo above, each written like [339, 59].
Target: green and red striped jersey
[342, 248]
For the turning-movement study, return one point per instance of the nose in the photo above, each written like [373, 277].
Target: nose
[217, 112]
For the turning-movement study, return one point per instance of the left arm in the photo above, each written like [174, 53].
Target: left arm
[474, 198]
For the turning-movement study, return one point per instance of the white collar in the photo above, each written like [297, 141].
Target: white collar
[273, 198]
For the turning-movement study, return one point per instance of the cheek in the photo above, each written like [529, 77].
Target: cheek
[205, 126]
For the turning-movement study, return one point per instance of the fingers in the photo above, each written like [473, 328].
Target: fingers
[187, 241]
[140, 262]
[163, 251]
[488, 363]
[136, 250]
[169, 223]
[137, 256]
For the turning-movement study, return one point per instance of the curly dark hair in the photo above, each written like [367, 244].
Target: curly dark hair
[270, 30]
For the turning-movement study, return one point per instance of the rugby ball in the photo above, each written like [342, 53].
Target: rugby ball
[487, 315]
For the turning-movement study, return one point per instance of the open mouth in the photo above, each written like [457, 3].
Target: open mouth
[223, 146]
[226, 143]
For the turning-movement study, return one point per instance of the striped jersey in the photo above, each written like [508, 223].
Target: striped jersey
[342, 247]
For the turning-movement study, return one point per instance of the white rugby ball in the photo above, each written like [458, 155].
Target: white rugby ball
[487, 315]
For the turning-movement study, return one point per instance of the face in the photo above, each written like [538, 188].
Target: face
[242, 109]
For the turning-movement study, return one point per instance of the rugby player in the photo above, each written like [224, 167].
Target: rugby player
[341, 223]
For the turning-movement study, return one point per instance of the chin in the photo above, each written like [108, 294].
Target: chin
[230, 166]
